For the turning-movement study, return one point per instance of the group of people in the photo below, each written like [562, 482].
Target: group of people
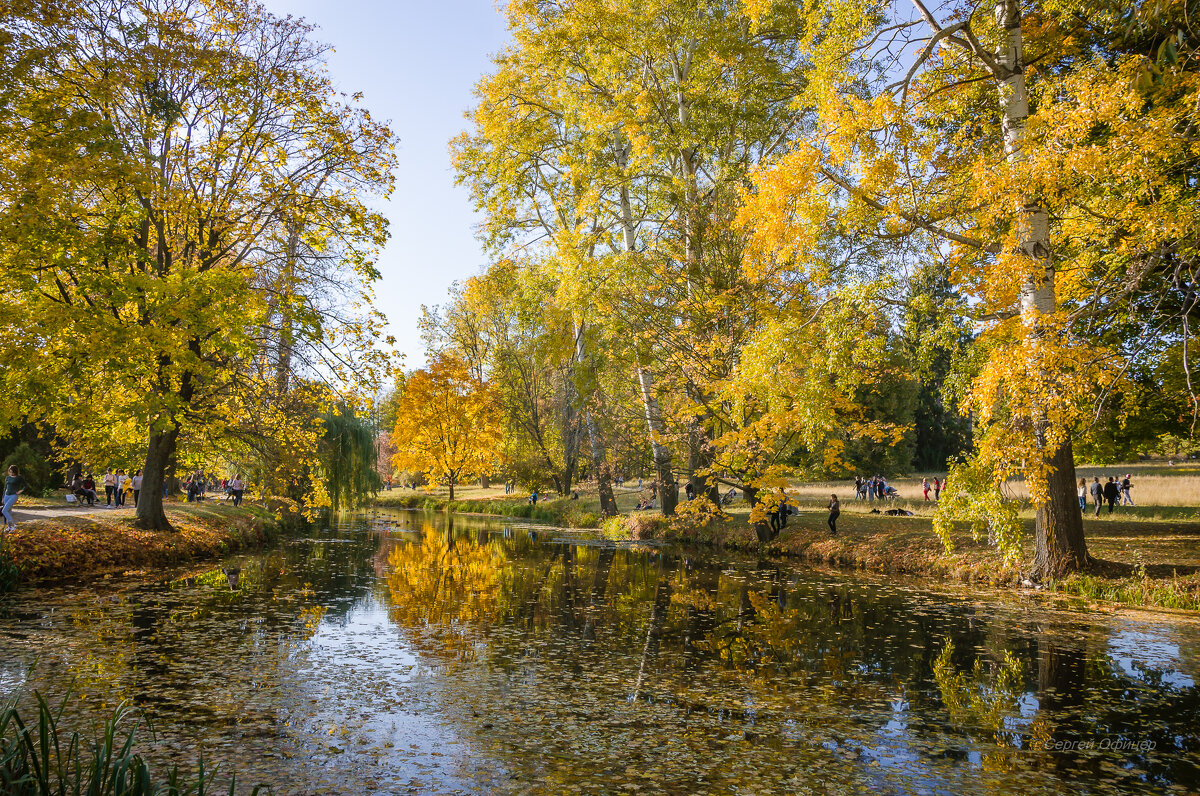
[873, 488]
[937, 486]
[119, 488]
[198, 485]
[1113, 492]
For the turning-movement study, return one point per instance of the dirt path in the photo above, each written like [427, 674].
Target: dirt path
[29, 513]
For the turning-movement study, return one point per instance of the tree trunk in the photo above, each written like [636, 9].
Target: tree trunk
[700, 460]
[608, 502]
[600, 468]
[484, 482]
[762, 529]
[151, 515]
[1060, 546]
[451, 479]
[668, 491]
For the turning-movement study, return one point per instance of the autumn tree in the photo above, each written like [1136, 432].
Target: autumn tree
[620, 136]
[447, 424]
[1001, 141]
[502, 326]
[147, 285]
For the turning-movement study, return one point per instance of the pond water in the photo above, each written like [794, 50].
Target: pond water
[400, 652]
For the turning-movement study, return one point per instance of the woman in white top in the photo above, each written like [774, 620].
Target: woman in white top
[1082, 490]
[110, 486]
[120, 484]
[136, 483]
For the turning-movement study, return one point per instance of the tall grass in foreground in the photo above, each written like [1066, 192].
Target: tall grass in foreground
[40, 760]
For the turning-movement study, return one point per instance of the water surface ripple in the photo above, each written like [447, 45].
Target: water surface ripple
[400, 652]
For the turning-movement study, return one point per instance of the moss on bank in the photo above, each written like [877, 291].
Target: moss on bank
[92, 545]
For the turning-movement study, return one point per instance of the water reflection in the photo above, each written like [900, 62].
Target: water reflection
[399, 652]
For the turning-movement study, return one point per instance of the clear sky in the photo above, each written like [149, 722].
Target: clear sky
[416, 62]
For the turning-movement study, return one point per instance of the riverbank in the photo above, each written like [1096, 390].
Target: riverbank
[95, 545]
[1147, 556]
[1139, 562]
[563, 512]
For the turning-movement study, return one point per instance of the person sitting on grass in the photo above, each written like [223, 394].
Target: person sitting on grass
[533, 498]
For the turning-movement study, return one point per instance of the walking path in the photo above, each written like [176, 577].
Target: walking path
[54, 512]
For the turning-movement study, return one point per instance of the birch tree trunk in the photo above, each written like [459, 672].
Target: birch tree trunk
[1060, 545]
[700, 456]
[668, 492]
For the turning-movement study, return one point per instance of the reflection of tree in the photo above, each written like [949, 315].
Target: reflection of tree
[1062, 676]
[983, 700]
[443, 583]
[658, 614]
[212, 649]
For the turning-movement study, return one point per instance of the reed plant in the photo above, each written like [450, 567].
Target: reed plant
[40, 759]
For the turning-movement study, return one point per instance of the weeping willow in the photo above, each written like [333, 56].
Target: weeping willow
[348, 458]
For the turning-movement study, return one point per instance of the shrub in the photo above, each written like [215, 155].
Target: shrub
[40, 760]
[38, 473]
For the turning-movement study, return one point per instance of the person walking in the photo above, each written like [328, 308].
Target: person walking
[835, 508]
[237, 488]
[925, 487]
[1097, 494]
[14, 485]
[1126, 485]
[120, 487]
[1083, 492]
[110, 485]
[136, 484]
[937, 489]
[783, 509]
[1112, 493]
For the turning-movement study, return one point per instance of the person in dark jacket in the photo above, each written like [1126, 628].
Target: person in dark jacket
[1097, 494]
[835, 508]
[1112, 493]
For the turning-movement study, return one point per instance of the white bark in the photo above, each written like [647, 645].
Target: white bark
[1037, 290]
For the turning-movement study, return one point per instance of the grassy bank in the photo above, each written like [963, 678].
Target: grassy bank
[1148, 555]
[93, 545]
[1139, 562]
[563, 512]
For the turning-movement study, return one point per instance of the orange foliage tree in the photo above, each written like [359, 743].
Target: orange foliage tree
[447, 424]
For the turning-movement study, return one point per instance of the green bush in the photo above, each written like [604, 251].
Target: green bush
[39, 474]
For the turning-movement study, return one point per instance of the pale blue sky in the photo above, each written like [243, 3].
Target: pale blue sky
[416, 64]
